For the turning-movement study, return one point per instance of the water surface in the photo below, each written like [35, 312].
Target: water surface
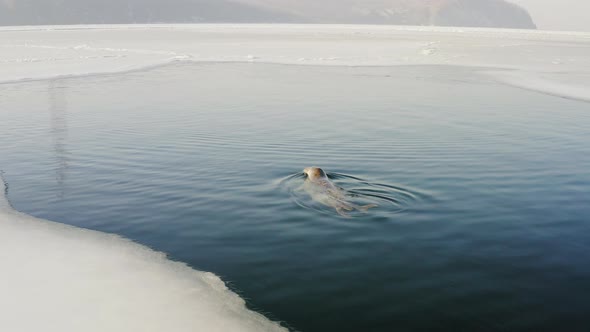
[483, 189]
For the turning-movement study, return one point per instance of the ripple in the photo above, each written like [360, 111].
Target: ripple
[391, 199]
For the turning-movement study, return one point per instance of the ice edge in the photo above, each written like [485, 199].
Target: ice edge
[83, 279]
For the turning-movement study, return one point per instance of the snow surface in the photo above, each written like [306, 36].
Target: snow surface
[60, 278]
[546, 61]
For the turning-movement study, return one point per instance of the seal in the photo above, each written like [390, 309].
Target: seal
[322, 190]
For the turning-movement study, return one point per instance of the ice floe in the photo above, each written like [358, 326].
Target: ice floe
[538, 59]
[61, 278]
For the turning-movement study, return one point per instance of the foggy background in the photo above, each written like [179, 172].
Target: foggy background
[542, 14]
[559, 14]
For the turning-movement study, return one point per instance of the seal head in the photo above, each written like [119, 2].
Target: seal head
[314, 173]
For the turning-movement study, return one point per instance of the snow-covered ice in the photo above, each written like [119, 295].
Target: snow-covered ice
[65, 279]
[543, 61]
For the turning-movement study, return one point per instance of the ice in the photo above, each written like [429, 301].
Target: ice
[61, 278]
[541, 60]
[570, 85]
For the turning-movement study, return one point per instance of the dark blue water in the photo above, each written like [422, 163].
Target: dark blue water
[483, 190]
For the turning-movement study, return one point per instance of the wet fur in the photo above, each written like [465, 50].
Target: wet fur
[322, 190]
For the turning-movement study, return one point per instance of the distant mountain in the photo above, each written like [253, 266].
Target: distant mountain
[39, 12]
[483, 13]
[474, 13]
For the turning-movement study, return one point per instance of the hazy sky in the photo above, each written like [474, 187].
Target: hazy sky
[559, 14]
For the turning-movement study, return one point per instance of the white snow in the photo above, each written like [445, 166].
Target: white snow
[60, 278]
[537, 60]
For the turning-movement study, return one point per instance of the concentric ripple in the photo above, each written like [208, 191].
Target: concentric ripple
[390, 198]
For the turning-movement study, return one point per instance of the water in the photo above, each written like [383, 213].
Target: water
[483, 189]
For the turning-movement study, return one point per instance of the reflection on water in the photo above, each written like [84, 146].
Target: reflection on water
[59, 132]
[482, 189]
